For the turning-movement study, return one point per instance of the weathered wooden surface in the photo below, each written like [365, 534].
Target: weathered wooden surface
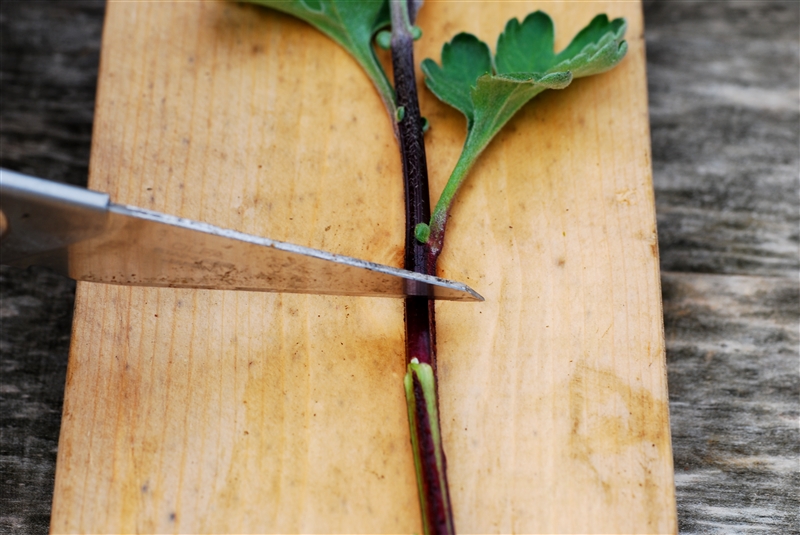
[735, 441]
[208, 411]
[734, 422]
[724, 115]
[48, 74]
[725, 123]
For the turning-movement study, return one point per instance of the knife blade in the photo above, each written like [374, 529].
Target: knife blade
[81, 234]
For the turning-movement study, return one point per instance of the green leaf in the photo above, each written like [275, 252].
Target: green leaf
[490, 92]
[526, 47]
[497, 98]
[596, 48]
[349, 23]
[524, 66]
[464, 60]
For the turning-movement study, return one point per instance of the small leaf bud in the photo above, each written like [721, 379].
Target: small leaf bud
[384, 39]
[421, 232]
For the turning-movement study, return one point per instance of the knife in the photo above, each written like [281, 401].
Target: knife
[81, 234]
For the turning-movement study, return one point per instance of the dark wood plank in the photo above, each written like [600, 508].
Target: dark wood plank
[725, 122]
[48, 72]
[50, 54]
[732, 345]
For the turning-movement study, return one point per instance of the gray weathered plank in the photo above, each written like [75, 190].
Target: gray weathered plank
[48, 72]
[733, 357]
[725, 122]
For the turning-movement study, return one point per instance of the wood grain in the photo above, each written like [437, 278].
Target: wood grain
[729, 476]
[726, 164]
[725, 136]
[226, 412]
[745, 370]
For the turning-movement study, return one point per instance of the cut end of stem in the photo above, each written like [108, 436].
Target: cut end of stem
[426, 440]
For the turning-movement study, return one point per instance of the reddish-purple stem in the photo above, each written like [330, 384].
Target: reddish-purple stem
[438, 511]
[419, 311]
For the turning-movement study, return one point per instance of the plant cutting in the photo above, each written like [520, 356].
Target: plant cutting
[488, 89]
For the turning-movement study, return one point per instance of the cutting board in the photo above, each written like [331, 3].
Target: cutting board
[226, 412]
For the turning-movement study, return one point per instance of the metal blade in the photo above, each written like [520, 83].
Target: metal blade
[145, 248]
[132, 246]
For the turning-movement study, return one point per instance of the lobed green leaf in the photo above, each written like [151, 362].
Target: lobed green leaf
[497, 98]
[489, 91]
[525, 65]
[464, 60]
[526, 47]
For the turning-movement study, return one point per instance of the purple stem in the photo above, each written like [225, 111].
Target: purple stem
[419, 311]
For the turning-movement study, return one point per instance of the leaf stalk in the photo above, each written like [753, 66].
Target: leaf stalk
[438, 222]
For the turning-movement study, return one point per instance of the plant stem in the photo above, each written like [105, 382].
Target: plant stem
[412, 146]
[438, 222]
[424, 426]
[474, 146]
[420, 385]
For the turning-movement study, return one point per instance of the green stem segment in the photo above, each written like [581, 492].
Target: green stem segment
[481, 129]
[432, 235]
[426, 439]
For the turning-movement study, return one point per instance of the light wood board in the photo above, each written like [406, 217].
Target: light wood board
[203, 411]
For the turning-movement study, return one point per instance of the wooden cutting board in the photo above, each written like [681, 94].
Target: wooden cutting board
[225, 412]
